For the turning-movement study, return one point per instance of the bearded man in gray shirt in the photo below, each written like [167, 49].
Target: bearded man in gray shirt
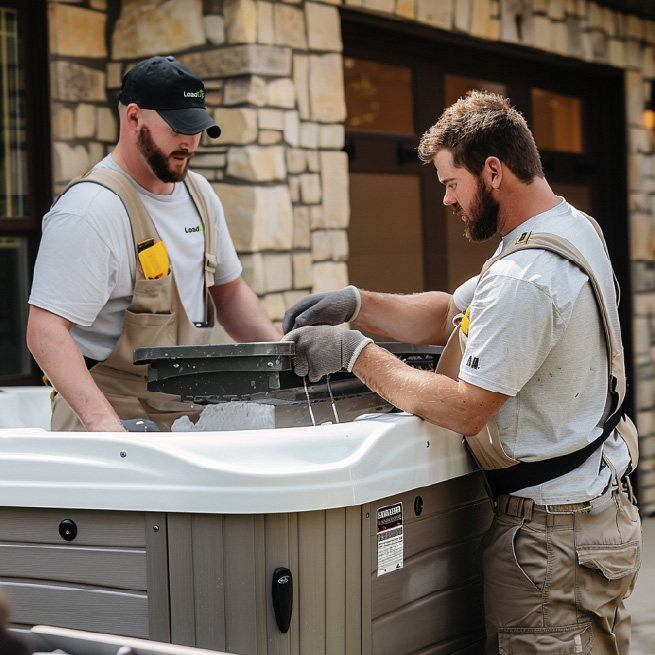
[537, 393]
[136, 254]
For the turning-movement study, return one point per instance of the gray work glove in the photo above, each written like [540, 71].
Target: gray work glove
[327, 308]
[324, 349]
[139, 425]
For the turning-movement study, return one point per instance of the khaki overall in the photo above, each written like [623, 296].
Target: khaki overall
[155, 318]
[486, 447]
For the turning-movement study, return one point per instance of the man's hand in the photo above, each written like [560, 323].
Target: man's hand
[327, 308]
[324, 349]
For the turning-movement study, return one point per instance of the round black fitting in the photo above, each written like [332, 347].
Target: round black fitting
[68, 530]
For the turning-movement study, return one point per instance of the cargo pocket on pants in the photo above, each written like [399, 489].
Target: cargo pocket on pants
[613, 561]
[576, 639]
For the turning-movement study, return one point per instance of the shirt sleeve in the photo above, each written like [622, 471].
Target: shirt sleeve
[514, 325]
[463, 295]
[75, 270]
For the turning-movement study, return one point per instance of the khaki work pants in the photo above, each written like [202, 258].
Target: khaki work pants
[555, 576]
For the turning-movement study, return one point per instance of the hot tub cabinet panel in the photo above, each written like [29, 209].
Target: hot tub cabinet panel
[205, 580]
[433, 604]
[95, 582]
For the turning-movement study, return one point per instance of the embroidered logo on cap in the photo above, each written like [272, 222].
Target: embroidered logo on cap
[197, 94]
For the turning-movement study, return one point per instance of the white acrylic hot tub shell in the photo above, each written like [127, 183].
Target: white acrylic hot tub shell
[235, 472]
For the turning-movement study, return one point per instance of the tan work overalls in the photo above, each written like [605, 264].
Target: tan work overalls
[155, 318]
[486, 446]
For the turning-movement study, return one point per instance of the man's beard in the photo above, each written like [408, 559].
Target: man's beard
[158, 161]
[482, 220]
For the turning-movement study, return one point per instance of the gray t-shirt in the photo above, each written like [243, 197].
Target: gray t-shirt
[536, 335]
[86, 266]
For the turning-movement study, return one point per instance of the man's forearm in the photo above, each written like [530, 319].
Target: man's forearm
[241, 314]
[458, 406]
[419, 318]
[56, 353]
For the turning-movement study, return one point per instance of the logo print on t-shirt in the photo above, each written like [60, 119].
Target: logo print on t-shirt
[473, 362]
[197, 228]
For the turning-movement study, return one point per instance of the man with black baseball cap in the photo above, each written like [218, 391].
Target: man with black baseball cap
[173, 91]
[148, 261]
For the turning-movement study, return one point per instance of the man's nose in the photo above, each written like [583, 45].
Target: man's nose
[189, 142]
[448, 198]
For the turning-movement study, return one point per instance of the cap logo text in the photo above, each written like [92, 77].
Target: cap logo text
[197, 94]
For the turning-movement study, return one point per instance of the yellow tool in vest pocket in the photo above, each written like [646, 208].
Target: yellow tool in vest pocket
[154, 259]
[466, 319]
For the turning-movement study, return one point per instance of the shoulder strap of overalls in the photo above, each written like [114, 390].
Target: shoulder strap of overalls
[142, 224]
[522, 474]
[200, 201]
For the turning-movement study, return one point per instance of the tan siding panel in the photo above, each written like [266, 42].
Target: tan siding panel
[277, 555]
[262, 585]
[180, 559]
[240, 584]
[335, 581]
[159, 615]
[82, 609]
[368, 555]
[438, 569]
[353, 641]
[209, 585]
[311, 595]
[102, 567]
[94, 528]
[443, 618]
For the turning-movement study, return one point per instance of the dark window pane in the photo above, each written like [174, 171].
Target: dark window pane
[14, 358]
[389, 256]
[457, 86]
[13, 175]
[378, 96]
[557, 121]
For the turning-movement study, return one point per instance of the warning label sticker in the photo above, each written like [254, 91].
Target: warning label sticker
[390, 538]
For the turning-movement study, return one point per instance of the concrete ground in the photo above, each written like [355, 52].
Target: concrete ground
[642, 601]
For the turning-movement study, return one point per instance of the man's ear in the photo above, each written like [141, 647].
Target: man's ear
[132, 115]
[494, 171]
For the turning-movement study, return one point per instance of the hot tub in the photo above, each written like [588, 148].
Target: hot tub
[349, 538]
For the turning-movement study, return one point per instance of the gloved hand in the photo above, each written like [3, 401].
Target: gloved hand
[327, 308]
[324, 349]
[139, 425]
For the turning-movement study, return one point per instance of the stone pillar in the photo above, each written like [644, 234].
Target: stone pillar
[81, 127]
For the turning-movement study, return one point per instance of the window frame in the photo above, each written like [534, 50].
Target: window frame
[33, 32]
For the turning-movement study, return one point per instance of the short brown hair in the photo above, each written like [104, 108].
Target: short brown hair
[481, 125]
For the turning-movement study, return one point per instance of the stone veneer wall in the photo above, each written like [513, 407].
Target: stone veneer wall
[274, 81]
[273, 75]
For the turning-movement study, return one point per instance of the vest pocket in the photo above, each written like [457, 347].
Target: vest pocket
[576, 639]
[141, 331]
[612, 561]
[152, 296]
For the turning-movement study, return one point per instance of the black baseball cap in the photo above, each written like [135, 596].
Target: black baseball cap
[173, 91]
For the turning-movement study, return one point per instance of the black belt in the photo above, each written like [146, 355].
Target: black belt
[90, 363]
[529, 474]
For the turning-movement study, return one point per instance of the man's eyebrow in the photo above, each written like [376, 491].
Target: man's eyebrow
[446, 181]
